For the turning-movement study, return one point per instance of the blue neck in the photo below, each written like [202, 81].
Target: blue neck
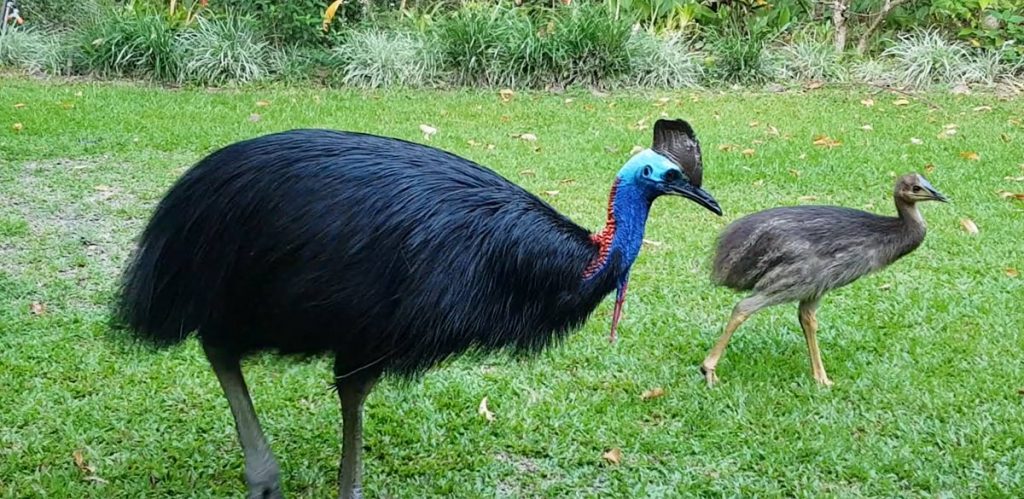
[630, 209]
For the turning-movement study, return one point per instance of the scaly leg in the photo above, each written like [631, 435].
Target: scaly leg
[352, 392]
[809, 323]
[261, 469]
[740, 313]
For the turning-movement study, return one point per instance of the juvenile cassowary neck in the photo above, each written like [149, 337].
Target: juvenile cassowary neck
[623, 231]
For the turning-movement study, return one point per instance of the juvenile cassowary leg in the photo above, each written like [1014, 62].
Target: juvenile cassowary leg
[809, 323]
[261, 469]
[740, 313]
[352, 391]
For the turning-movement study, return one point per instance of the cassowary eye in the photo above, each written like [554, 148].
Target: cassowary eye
[647, 171]
[917, 188]
[671, 176]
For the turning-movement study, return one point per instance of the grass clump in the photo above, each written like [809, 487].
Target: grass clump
[376, 58]
[926, 57]
[484, 45]
[129, 43]
[586, 46]
[33, 51]
[663, 62]
[222, 51]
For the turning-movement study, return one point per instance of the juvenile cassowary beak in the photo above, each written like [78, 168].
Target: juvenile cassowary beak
[936, 195]
[687, 190]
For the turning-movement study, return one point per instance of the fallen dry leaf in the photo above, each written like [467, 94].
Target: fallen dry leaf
[551, 193]
[900, 102]
[928, 168]
[826, 141]
[969, 226]
[635, 150]
[916, 141]
[484, 411]
[472, 143]
[17, 127]
[885, 287]
[807, 198]
[428, 131]
[567, 181]
[490, 147]
[640, 125]
[613, 456]
[37, 308]
[262, 103]
[653, 393]
[80, 462]
[758, 183]
[867, 127]
[529, 137]
[982, 108]
[754, 124]
[569, 101]
[254, 117]
[814, 85]
[795, 173]
[652, 242]
[772, 130]
[970, 155]
[868, 102]
[19, 105]
[1011, 272]
[1014, 179]
[528, 173]
[506, 94]
[748, 152]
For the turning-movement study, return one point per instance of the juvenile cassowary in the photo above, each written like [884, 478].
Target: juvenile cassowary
[799, 253]
[388, 255]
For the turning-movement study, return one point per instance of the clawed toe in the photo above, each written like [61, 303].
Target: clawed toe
[709, 376]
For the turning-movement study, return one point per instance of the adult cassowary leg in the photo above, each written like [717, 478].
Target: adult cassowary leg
[352, 390]
[261, 469]
[740, 313]
[809, 323]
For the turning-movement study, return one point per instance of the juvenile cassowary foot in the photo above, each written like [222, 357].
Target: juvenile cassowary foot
[809, 323]
[709, 375]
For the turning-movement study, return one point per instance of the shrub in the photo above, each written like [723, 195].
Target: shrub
[61, 14]
[481, 45]
[33, 51]
[291, 22]
[586, 45]
[992, 66]
[128, 43]
[926, 57]
[663, 62]
[875, 72]
[221, 51]
[375, 58]
[810, 60]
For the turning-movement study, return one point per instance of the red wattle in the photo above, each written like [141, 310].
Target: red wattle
[603, 239]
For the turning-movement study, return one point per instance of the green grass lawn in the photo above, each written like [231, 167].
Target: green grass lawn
[926, 356]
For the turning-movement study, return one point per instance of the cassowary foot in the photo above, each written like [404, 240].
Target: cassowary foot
[709, 375]
[823, 381]
[266, 490]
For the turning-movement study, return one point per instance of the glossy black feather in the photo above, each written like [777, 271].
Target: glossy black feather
[382, 251]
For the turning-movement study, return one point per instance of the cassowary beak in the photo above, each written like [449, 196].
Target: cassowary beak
[700, 196]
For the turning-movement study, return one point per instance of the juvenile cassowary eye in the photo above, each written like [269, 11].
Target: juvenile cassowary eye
[917, 188]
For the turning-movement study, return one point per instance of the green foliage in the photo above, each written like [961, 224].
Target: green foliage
[663, 62]
[129, 42]
[291, 22]
[375, 58]
[586, 46]
[983, 23]
[490, 45]
[62, 14]
[33, 51]
[927, 57]
[222, 51]
[810, 60]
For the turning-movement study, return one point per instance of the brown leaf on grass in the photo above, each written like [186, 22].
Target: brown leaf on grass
[1011, 272]
[551, 193]
[970, 156]
[662, 102]
[795, 173]
[635, 150]
[1019, 196]
[969, 226]
[651, 242]
[568, 101]
[640, 125]
[428, 131]
[982, 108]
[529, 137]
[490, 147]
[814, 85]
[727, 147]
[900, 102]
[613, 456]
[928, 168]
[484, 411]
[885, 287]
[567, 181]
[755, 124]
[506, 94]
[772, 131]
[254, 117]
[527, 173]
[37, 308]
[826, 141]
[807, 198]
[867, 127]
[916, 141]
[17, 127]
[653, 393]
[262, 103]
[19, 105]
[472, 143]
[1014, 179]
[80, 463]
[868, 102]
[748, 152]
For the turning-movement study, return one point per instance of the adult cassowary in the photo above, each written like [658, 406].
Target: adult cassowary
[389, 255]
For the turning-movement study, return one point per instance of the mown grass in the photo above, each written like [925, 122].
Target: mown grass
[927, 356]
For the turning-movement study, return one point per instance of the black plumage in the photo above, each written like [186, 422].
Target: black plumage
[389, 255]
[799, 253]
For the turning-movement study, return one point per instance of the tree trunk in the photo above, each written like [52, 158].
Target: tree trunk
[839, 21]
[876, 22]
